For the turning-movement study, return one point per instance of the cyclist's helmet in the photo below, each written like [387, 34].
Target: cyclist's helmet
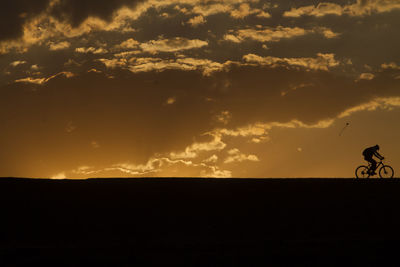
[377, 147]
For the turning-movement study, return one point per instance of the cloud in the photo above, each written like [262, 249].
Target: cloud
[196, 21]
[224, 117]
[35, 67]
[263, 14]
[59, 46]
[127, 54]
[157, 64]
[385, 103]
[194, 149]
[113, 63]
[70, 127]
[216, 173]
[128, 44]
[232, 38]
[366, 76]
[237, 9]
[77, 11]
[40, 81]
[236, 156]
[328, 33]
[259, 132]
[321, 62]
[17, 63]
[148, 64]
[33, 22]
[360, 8]
[17, 13]
[243, 11]
[92, 50]
[268, 34]
[171, 45]
[159, 167]
[321, 9]
[211, 9]
[391, 65]
[206, 65]
[31, 80]
[212, 159]
[59, 176]
[170, 100]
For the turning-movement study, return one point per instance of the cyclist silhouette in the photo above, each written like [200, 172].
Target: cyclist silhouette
[368, 153]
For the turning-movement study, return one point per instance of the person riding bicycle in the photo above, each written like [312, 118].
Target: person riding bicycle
[368, 153]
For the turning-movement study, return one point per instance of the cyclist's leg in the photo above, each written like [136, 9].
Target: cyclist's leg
[373, 163]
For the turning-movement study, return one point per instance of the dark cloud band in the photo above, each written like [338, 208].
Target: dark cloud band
[15, 13]
[76, 11]
[18, 12]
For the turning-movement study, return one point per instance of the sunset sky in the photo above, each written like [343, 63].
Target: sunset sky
[197, 88]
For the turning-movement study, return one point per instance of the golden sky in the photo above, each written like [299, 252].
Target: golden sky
[200, 88]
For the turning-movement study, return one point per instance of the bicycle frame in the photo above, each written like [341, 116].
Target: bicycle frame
[377, 165]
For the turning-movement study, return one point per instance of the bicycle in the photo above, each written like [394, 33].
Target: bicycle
[385, 171]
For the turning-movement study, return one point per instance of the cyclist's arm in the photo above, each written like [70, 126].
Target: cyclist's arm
[379, 156]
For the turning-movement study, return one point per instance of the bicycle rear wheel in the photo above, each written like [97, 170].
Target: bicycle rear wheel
[386, 172]
[362, 172]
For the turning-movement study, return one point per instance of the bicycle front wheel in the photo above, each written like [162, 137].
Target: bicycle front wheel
[362, 172]
[386, 172]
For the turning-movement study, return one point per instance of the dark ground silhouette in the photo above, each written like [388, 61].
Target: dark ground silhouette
[199, 222]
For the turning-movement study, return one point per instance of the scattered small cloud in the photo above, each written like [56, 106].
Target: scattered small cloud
[94, 144]
[385, 103]
[359, 8]
[320, 10]
[211, 9]
[391, 65]
[236, 156]
[212, 159]
[59, 176]
[58, 46]
[224, 117]
[171, 100]
[113, 63]
[196, 21]
[260, 139]
[263, 14]
[128, 44]
[232, 38]
[172, 45]
[41, 81]
[70, 127]
[31, 80]
[275, 34]
[366, 76]
[243, 11]
[17, 63]
[266, 34]
[194, 149]
[91, 50]
[72, 63]
[328, 33]
[321, 62]
[137, 65]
